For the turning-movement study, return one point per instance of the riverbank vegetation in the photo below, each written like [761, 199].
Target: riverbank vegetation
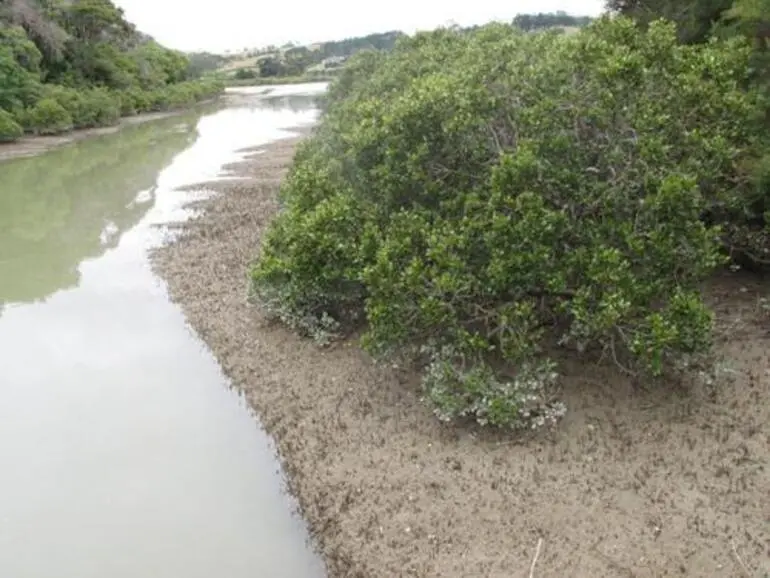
[480, 201]
[80, 64]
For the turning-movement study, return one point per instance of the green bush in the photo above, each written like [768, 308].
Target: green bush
[483, 198]
[10, 130]
[49, 117]
[97, 107]
[90, 61]
[159, 99]
[135, 101]
[88, 108]
[211, 88]
[127, 104]
[181, 95]
[246, 74]
[19, 68]
[67, 97]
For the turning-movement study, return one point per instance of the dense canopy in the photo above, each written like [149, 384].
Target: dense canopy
[478, 201]
[79, 63]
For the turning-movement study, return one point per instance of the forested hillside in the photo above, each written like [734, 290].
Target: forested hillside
[297, 61]
[349, 46]
[482, 204]
[68, 64]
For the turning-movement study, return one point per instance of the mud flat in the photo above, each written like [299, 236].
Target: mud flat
[638, 480]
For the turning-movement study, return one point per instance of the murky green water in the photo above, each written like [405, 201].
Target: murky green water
[122, 451]
[54, 208]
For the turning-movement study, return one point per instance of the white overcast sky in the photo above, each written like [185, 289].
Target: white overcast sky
[234, 24]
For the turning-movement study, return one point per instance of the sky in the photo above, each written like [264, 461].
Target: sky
[222, 25]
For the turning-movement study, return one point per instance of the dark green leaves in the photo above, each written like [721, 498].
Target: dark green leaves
[480, 197]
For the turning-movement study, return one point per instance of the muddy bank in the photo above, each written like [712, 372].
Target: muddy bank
[30, 146]
[637, 481]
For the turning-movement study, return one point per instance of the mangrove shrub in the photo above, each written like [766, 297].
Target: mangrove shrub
[10, 130]
[482, 199]
[49, 117]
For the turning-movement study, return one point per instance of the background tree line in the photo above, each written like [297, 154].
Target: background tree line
[698, 20]
[295, 61]
[79, 63]
[557, 19]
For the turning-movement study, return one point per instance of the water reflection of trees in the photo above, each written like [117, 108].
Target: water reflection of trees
[53, 208]
[292, 102]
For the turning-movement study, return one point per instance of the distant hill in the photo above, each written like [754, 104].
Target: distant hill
[349, 46]
[325, 58]
[293, 61]
[541, 21]
[202, 62]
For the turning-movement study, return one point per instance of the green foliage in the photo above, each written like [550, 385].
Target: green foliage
[744, 214]
[324, 243]
[694, 19]
[49, 117]
[158, 66]
[135, 100]
[88, 108]
[755, 14]
[477, 392]
[10, 130]
[246, 73]
[751, 18]
[203, 62]
[697, 20]
[19, 47]
[98, 108]
[384, 41]
[84, 58]
[93, 20]
[19, 68]
[182, 94]
[484, 197]
[35, 18]
[272, 66]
